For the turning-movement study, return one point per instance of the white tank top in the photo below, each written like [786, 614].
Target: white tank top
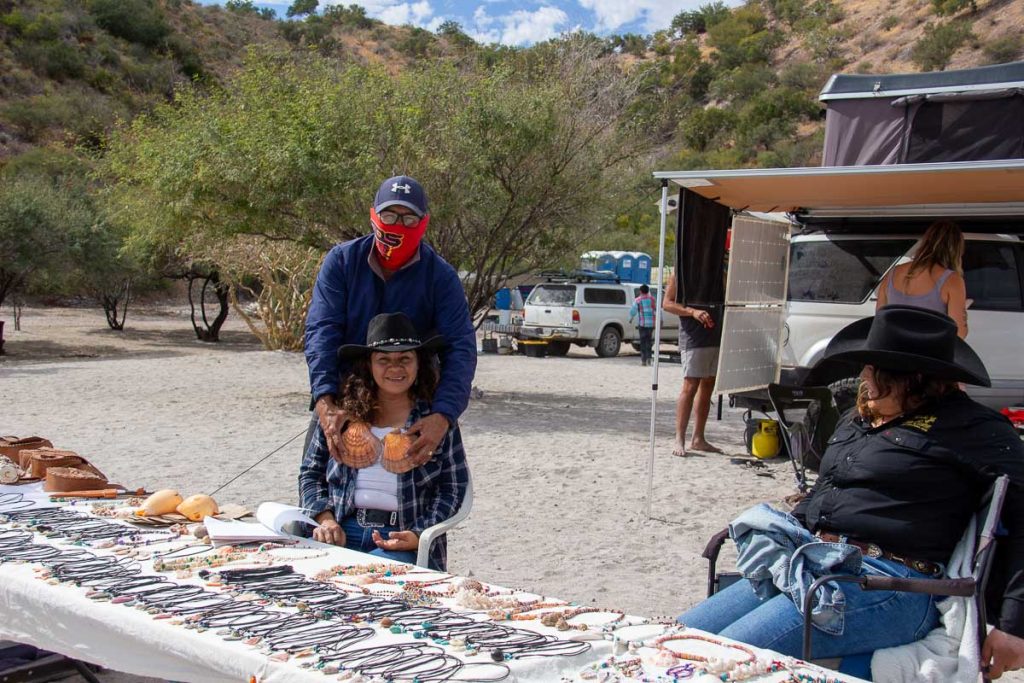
[376, 488]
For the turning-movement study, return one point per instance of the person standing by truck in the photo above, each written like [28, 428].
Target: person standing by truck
[934, 279]
[644, 311]
[699, 340]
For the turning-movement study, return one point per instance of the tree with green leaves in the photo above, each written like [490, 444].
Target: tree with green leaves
[44, 215]
[300, 8]
[519, 164]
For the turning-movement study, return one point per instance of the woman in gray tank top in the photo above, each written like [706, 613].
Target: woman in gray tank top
[934, 279]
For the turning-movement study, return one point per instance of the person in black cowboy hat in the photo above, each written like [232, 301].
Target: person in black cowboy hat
[374, 496]
[390, 270]
[898, 484]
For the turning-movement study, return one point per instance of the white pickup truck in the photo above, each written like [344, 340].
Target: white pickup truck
[587, 313]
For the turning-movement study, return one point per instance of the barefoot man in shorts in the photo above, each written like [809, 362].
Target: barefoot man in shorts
[700, 337]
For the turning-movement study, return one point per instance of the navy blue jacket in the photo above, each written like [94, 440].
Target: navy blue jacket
[348, 294]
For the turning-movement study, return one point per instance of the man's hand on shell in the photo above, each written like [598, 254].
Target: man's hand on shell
[430, 430]
[332, 421]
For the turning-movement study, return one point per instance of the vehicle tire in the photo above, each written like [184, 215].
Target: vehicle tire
[558, 348]
[609, 342]
[844, 392]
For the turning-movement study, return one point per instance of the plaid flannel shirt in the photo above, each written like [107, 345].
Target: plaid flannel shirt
[643, 309]
[427, 495]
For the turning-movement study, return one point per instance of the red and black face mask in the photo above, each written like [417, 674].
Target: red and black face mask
[396, 243]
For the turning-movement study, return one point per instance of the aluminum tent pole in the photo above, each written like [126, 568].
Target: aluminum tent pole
[658, 314]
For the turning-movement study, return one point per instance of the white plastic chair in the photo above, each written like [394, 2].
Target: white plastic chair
[431, 533]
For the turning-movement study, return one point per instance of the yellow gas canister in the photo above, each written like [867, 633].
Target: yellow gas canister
[761, 436]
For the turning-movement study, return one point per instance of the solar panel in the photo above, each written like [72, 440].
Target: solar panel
[758, 256]
[749, 357]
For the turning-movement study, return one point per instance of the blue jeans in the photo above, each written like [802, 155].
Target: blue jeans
[358, 537]
[874, 619]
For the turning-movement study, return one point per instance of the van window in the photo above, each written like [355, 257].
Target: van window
[595, 295]
[841, 271]
[993, 281]
[553, 295]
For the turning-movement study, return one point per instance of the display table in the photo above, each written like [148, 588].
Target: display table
[60, 617]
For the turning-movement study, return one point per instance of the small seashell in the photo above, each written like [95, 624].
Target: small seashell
[361, 446]
[396, 453]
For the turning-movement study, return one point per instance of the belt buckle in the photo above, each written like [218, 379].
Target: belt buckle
[361, 519]
[924, 566]
[874, 550]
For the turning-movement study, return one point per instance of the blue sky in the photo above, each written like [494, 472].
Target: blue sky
[522, 22]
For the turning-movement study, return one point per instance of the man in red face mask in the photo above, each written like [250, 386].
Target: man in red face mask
[391, 270]
[399, 218]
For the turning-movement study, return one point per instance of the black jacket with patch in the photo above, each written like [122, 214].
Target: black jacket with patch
[911, 486]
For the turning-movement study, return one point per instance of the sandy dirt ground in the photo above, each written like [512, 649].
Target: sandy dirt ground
[558, 448]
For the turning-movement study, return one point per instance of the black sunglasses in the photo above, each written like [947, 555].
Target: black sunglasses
[409, 220]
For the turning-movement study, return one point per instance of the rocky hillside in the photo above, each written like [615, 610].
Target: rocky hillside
[69, 69]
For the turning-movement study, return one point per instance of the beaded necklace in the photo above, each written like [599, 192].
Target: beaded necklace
[713, 662]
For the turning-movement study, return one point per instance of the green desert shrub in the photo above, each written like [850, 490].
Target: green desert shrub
[1005, 49]
[55, 59]
[706, 127]
[137, 21]
[938, 44]
[947, 7]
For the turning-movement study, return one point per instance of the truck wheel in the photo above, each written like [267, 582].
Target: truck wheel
[558, 348]
[844, 392]
[609, 343]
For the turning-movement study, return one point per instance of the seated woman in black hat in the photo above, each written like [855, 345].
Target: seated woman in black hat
[376, 499]
[897, 487]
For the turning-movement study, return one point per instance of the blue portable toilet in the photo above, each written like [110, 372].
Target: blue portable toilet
[641, 268]
[606, 261]
[623, 265]
[503, 299]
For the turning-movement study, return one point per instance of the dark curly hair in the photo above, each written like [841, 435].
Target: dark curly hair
[359, 395]
[914, 388]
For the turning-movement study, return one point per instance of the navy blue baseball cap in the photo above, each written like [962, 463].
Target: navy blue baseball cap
[403, 191]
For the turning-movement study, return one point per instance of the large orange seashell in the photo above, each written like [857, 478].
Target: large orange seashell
[361, 447]
[396, 453]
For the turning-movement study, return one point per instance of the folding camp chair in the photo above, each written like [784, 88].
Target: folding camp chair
[971, 587]
[805, 438]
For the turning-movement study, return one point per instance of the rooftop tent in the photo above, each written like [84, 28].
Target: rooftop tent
[972, 114]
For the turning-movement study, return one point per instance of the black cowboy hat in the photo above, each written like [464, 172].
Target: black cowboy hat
[391, 333]
[903, 339]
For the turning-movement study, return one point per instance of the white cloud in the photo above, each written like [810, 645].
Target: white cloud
[419, 13]
[522, 27]
[415, 13]
[655, 14]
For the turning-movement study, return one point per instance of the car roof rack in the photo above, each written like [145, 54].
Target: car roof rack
[581, 276]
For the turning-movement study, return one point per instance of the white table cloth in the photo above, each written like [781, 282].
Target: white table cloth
[61, 619]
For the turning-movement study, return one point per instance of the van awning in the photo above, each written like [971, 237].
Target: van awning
[828, 188]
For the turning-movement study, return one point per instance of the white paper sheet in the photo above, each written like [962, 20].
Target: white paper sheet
[272, 518]
[275, 515]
